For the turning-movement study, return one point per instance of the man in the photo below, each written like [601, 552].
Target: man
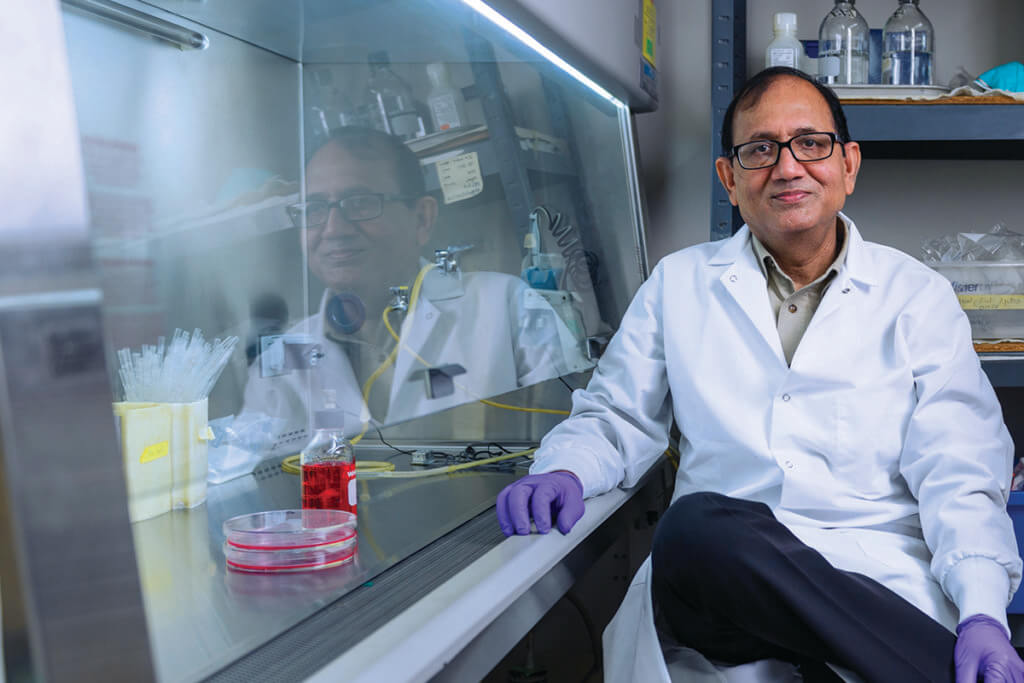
[365, 220]
[844, 466]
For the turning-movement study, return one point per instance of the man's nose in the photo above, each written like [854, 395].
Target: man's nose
[788, 166]
[337, 224]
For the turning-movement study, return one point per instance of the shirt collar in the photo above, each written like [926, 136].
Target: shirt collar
[859, 265]
[771, 270]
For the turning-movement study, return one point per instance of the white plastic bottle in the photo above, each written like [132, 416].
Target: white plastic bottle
[785, 49]
[447, 105]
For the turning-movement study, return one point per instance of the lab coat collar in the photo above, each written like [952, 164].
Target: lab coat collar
[859, 265]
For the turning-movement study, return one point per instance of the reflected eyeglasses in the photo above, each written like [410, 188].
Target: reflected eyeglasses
[758, 154]
[354, 208]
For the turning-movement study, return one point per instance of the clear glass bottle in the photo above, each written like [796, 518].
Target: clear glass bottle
[327, 462]
[785, 49]
[447, 105]
[908, 47]
[390, 98]
[844, 44]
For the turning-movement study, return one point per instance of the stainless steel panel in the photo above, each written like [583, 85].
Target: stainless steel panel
[73, 608]
[66, 518]
[204, 616]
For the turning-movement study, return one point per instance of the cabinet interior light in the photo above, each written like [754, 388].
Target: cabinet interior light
[531, 42]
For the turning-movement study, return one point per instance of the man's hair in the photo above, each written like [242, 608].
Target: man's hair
[757, 85]
[370, 144]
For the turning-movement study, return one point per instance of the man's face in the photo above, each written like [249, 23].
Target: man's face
[790, 197]
[364, 257]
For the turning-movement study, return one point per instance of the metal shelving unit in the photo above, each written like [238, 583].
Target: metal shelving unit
[884, 131]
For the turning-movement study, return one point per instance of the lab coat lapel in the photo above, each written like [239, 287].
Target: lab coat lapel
[744, 283]
[416, 330]
[856, 270]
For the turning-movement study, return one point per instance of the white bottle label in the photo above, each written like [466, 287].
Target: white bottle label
[352, 492]
[446, 115]
[782, 56]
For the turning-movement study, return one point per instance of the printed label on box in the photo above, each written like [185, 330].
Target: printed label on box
[460, 177]
[991, 302]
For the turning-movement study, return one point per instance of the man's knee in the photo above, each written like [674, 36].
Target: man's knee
[699, 531]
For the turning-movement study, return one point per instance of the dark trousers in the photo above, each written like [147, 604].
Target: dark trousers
[733, 583]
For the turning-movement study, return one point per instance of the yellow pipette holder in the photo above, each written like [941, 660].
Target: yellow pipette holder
[164, 452]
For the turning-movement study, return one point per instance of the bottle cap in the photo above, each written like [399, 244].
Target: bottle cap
[329, 419]
[331, 416]
[785, 21]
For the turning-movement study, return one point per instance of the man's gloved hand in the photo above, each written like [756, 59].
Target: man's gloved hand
[983, 649]
[543, 496]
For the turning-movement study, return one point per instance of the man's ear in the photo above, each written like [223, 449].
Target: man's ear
[851, 165]
[725, 170]
[426, 216]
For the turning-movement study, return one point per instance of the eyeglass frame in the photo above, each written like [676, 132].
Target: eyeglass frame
[340, 205]
[734, 152]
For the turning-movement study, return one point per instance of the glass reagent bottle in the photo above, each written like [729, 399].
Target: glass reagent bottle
[844, 43]
[328, 463]
[391, 101]
[908, 47]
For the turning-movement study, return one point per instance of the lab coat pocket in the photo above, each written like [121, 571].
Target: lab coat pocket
[867, 446]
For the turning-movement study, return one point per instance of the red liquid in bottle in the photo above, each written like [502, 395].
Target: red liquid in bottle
[329, 486]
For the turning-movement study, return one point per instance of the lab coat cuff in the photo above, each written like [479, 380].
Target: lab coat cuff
[979, 585]
[574, 460]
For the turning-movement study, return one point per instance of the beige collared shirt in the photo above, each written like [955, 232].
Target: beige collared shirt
[793, 309]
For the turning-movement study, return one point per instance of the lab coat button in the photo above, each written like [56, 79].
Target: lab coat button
[428, 316]
[785, 397]
[846, 290]
[789, 464]
[733, 278]
[792, 308]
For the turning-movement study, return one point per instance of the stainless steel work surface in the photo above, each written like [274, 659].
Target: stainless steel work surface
[202, 616]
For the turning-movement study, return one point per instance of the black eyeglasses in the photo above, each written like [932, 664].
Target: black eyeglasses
[354, 208]
[805, 147]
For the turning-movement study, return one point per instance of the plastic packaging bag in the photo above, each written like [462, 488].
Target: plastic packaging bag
[239, 444]
[998, 244]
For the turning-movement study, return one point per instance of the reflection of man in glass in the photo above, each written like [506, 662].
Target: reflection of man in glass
[464, 336]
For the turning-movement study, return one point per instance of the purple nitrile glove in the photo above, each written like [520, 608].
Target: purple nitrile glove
[542, 495]
[983, 649]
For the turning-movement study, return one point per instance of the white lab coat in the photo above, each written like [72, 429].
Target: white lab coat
[882, 445]
[501, 331]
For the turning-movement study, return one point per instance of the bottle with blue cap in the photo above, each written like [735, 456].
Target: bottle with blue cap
[328, 462]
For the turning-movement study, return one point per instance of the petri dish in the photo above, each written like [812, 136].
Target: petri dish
[295, 560]
[289, 529]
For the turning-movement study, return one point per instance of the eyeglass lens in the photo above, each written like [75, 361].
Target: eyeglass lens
[764, 153]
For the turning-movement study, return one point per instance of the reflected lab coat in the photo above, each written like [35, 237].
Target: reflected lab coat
[502, 332]
[882, 445]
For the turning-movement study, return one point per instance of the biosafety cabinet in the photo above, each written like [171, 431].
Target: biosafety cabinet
[225, 220]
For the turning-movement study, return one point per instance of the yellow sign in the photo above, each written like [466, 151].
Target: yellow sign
[650, 22]
[155, 451]
[991, 302]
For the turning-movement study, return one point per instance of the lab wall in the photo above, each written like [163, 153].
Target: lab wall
[675, 149]
[901, 203]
